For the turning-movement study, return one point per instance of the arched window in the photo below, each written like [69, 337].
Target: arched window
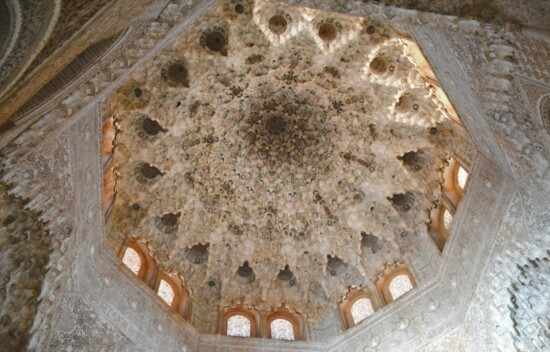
[240, 321]
[361, 309]
[395, 284]
[284, 324]
[400, 285]
[447, 219]
[168, 286]
[166, 292]
[171, 290]
[132, 260]
[356, 306]
[462, 177]
[455, 180]
[137, 259]
[281, 329]
[238, 325]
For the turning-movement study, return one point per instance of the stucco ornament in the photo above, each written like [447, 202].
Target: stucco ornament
[272, 136]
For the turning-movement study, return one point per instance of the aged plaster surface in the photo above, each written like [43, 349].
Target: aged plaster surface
[113, 311]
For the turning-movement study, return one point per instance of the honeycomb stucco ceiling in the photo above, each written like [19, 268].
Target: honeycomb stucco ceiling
[253, 136]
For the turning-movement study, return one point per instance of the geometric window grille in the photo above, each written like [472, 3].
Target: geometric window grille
[462, 177]
[400, 285]
[361, 309]
[282, 329]
[166, 292]
[132, 260]
[238, 325]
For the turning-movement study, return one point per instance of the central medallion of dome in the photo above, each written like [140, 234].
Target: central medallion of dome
[275, 124]
[285, 126]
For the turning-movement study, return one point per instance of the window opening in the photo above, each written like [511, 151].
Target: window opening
[238, 325]
[447, 219]
[462, 177]
[282, 329]
[361, 309]
[132, 260]
[400, 285]
[166, 292]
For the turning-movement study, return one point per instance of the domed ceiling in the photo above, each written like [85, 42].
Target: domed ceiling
[308, 144]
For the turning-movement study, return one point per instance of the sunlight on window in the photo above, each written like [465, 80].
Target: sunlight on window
[166, 292]
[400, 285]
[462, 177]
[237, 325]
[282, 329]
[361, 309]
[447, 219]
[132, 260]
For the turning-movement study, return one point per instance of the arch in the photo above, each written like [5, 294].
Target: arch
[396, 284]
[281, 329]
[285, 314]
[240, 321]
[357, 306]
[361, 309]
[455, 182]
[462, 177]
[447, 219]
[166, 292]
[400, 285]
[133, 260]
[147, 265]
[238, 325]
[441, 222]
[170, 289]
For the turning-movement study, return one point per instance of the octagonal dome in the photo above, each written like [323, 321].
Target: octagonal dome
[304, 149]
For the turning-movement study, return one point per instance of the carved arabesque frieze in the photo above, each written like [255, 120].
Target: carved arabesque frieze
[80, 328]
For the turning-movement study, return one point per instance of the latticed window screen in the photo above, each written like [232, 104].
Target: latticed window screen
[282, 329]
[361, 309]
[166, 292]
[132, 260]
[400, 285]
[238, 325]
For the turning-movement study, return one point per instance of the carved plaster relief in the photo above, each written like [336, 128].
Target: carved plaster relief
[112, 304]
